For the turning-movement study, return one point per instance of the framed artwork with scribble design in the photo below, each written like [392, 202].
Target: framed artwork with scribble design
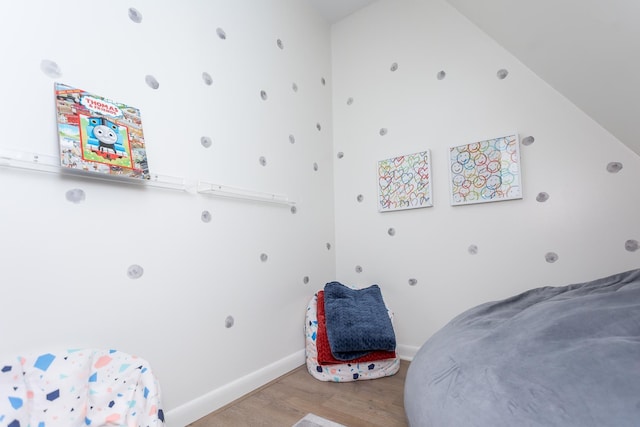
[485, 171]
[404, 182]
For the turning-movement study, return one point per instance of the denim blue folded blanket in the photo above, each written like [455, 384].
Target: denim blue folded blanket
[357, 321]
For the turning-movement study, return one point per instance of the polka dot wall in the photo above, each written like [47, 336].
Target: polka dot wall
[431, 82]
[257, 96]
[237, 95]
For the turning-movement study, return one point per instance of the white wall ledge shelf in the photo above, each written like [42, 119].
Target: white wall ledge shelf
[17, 159]
[51, 164]
[219, 190]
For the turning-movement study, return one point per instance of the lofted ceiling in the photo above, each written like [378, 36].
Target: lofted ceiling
[588, 50]
[335, 10]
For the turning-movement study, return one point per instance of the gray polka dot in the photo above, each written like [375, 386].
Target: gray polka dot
[205, 141]
[551, 257]
[318, 126]
[631, 245]
[413, 282]
[542, 197]
[323, 81]
[528, 140]
[135, 15]
[358, 269]
[340, 154]
[328, 246]
[292, 139]
[228, 322]
[472, 249]
[220, 32]
[383, 131]
[135, 271]
[50, 68]
[294, 86]
[205, 216]
[263, 95]
[264, 257]
[280, 44]
[614, 167]
[305, 280]
[315, 167]
[152, 82]
[391, 231]
[360, 198]
[502, 74]
[75, 195]
[294, 210]
[206, 77]
[394, 66]
[441, 75]
[349, 101]
[263, 161]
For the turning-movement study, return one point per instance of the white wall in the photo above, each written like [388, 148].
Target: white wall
[64, 268]
[587, 219]
[64, 281]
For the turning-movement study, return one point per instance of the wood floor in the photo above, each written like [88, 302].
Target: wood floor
[284, 401]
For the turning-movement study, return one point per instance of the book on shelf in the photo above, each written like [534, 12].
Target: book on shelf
[98, 135]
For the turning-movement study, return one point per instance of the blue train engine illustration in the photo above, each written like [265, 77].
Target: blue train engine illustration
[103, 138]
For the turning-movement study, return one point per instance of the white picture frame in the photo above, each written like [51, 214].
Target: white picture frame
[404, 182]
[485, 171]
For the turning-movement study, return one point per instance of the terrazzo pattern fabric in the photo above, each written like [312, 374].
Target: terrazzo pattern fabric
[344, 372]
[79, 388]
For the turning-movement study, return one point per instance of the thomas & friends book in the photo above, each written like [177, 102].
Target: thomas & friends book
[98, 135]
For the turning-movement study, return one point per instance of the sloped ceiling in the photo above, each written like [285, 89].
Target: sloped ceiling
[588, 50]
[336, 10]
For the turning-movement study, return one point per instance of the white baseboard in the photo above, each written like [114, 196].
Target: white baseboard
[406, 352]
[216, 399]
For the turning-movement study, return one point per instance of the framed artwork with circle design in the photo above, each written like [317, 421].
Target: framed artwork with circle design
[485, 171]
